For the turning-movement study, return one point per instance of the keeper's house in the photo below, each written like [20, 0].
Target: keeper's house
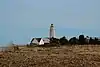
[40, 41]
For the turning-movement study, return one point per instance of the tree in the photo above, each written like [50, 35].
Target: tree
[91, 41]
[96, 40]
[81, 39]
[54, 41]
[74, 40]
[63, 40]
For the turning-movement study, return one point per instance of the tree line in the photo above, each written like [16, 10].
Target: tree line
[81, 40]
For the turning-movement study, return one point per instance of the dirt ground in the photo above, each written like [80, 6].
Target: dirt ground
[64, 56]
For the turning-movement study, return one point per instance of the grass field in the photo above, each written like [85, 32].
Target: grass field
[64, 56]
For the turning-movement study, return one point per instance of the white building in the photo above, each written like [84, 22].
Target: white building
[40, 41]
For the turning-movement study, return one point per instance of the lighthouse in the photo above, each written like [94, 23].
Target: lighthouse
[52, 31]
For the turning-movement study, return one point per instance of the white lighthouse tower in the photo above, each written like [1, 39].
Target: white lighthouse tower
[52, 31]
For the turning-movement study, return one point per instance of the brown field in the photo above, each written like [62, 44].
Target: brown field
[64, 56]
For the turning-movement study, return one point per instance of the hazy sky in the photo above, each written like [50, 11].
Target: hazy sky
[20, 20]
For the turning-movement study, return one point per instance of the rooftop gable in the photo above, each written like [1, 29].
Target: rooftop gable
[38, 39]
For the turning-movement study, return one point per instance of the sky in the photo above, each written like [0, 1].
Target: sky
[21, 20]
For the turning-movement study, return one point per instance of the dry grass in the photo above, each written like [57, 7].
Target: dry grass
[64, 56]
